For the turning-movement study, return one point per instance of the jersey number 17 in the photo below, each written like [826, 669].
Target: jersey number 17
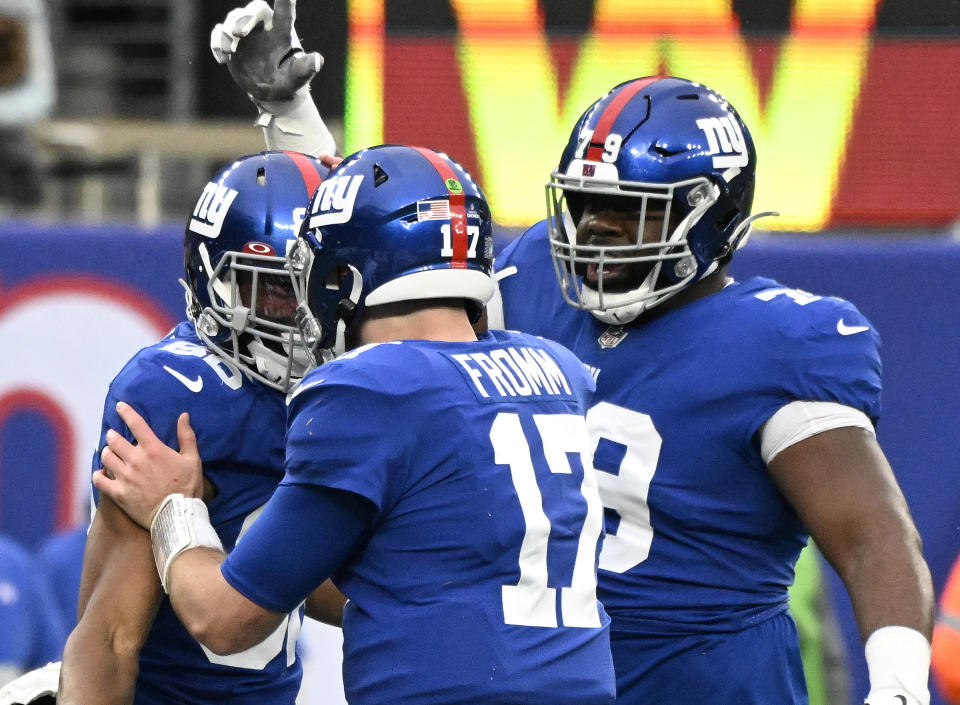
[531, 602]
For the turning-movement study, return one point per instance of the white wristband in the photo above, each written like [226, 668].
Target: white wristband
[898, 660]
[180, 524]
[295, 125]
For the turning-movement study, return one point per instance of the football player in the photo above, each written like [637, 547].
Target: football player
[60, 558]
[229, 365]
[731, 418]
[443, 479]
[31, 626]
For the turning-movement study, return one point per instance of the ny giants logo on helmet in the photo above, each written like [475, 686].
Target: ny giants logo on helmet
[725, 137]
[334, 200]
[211, 210]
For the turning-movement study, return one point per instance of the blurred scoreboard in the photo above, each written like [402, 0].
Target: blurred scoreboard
[852, 117]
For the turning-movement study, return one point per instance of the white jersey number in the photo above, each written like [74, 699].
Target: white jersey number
[626, 492]
[531, 602]
[228, 372]
[259, 655]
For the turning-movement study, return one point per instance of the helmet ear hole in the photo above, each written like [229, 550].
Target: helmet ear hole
[670, 142]
[393, 225]
[234, 241]
[724, 221]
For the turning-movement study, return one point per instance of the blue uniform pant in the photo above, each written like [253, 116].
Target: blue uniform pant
[759, 665]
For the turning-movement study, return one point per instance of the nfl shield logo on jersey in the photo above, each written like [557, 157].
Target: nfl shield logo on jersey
[612, 337]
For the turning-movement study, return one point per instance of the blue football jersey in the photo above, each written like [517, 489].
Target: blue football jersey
[32, 631]
[60, 558]
[698, 539]
[240, 428]
[477, 581]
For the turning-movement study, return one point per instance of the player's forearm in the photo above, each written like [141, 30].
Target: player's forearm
[98, 667]
[296, 125]
[325, 604]
[889, 584]
[213, 612]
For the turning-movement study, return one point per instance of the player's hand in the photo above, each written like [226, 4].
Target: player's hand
[261, 49]
[889, 696]
[138, 477]
[330, 160]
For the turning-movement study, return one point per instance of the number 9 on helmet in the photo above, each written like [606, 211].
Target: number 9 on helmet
[675, 156]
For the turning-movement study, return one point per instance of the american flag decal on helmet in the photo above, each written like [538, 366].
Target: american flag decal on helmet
[437, 209]
[456, 198]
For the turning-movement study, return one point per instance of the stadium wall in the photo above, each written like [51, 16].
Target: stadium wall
[77, 301]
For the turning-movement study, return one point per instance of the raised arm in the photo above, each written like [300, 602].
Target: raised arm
[260, 47]
[844, 490]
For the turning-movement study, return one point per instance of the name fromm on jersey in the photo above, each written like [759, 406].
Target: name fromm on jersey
[514, 372]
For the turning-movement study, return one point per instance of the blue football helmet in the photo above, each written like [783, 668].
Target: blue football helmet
[675, 148]
[239, 296]
[390, 223]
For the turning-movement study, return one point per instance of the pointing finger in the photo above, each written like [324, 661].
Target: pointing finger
[284, 14]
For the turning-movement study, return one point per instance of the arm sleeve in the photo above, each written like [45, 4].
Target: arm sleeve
[305, 533]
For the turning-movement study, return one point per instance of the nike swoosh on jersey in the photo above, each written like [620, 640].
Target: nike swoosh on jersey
[844, 329]
[194, 385]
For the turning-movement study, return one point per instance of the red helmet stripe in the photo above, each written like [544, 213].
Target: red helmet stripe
[311, 177]
[610, 115]
[458, 207]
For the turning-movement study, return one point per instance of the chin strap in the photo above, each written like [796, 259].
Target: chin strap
[743, 231]
[276, 366]
[347, 311]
